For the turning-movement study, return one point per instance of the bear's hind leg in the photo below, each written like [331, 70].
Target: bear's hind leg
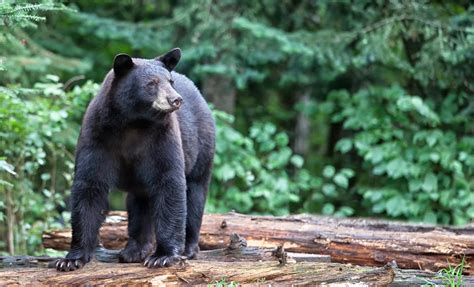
[196, 197]
[197, 187]
[140, 233]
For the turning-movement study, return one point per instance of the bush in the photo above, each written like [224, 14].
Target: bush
[39, 131]
[255, 173]
[418, 162]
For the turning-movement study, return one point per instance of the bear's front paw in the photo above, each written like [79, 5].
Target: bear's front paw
[154, 261]
[65, 264]
[135, 253]
[75, 259]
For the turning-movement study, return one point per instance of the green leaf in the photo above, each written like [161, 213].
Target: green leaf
[470, 212]
[329, 190]
[430, 183]
[329, 171]
[45, 176]
[344, 145]
[349, 173]
[396, 168]
[434, 157]
[328, 209]
[281, 139]
[341, 180]
[52, 78]
[6, 183]
[225, 172]
[297, 160]
[5, 166]
[414, 184]
[396, 206]
[344, 211]
[430, 217]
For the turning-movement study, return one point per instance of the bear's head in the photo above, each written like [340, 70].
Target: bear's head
[144, 85]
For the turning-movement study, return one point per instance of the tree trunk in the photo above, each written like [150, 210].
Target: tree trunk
[220, 91]
[359, 241]
[10, 217]
[302, 128]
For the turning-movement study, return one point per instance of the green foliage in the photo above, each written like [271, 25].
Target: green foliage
[420, 164]
[327, 195]
[24, 14]
[450, 276]
[222, 283]
[21, 58]
[385, 88]
[256, 172]
[409, 120]
[38, 138]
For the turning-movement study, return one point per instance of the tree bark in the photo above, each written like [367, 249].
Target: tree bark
[359, 241]
[220, 91]
[10, 217]
[302, 128]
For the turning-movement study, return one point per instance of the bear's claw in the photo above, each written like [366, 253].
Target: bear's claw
[154, 261]
[66, 265]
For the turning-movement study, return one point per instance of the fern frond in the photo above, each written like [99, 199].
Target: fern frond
[29, 8]
[32, 18]
[26, 14]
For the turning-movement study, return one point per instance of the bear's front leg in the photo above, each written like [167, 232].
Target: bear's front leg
[168, 206]
[89, 204]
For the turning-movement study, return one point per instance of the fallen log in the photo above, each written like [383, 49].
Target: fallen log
[358, 241]
[233, 253]
[236, 263]
[202, 272]
[408, 277]
[25, 261]
[236, 251]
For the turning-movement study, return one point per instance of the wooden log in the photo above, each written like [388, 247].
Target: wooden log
[409, 277]
[237, 250]
[15, 275]
[359, 241]
[196, 272]
[25, 261]
[113, 233]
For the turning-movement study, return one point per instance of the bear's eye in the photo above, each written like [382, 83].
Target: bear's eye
[171, 81]
[153, 82]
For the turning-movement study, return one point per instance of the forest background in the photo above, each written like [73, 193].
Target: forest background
[341, 108]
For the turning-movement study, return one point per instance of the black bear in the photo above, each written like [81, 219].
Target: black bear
[148, 132]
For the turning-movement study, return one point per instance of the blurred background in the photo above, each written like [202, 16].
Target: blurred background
[341, 108]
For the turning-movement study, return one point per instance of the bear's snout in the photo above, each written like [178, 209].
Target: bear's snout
[175, 101]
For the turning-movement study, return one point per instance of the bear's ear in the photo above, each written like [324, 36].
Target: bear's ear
[170, 59]
[122, 63]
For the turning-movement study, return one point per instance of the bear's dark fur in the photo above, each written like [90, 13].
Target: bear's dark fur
[150, 133]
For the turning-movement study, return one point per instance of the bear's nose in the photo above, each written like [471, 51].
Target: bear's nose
[175, 102]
